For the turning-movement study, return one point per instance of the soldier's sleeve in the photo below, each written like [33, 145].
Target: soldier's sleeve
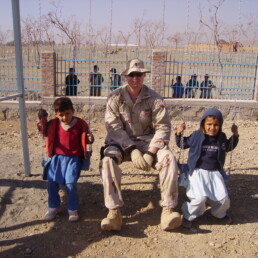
[114, 125]
[161, 122]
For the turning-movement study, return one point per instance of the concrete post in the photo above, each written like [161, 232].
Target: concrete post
[158, 71]
[48, 73]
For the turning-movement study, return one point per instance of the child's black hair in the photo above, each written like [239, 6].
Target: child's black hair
[62, 104]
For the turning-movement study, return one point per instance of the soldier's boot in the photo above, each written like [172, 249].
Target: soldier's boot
[170, 219]
[113, 221]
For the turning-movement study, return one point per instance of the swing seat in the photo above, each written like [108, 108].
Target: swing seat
[225, 176]
[183, 177]
[85, 164]
[45, 164]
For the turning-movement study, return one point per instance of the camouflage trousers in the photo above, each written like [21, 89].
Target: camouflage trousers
[111, 175]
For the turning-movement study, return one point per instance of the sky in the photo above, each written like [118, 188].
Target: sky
[176, 12]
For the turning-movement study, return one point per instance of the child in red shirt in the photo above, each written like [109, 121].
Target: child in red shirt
[66, 140]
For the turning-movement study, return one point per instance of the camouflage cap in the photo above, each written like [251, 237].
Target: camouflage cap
[135, 65]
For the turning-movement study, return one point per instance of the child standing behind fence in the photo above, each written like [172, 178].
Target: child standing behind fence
[205, 182]
[66, 139]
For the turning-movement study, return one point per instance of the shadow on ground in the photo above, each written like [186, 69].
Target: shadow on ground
[140, 211]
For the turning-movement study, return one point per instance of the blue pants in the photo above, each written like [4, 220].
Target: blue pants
[54, 197]
[64, 170]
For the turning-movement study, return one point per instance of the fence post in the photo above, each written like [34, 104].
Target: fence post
[256, 81]
[158, 71]
[256, 90]
[48, 73]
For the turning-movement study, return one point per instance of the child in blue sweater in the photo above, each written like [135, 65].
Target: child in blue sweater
[205, 181]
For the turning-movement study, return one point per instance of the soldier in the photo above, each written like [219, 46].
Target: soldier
[138, 129]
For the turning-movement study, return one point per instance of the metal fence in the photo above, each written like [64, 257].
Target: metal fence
[110, 63]
[231, 75]
[31, 72]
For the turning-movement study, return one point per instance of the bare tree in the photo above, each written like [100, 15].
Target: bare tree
[91, 40]
[215, 27]
[208, 39]
[153, 32]
[232, 35]
[3, 40]
[68, 27]
[47, 31]
[250, 30]
[176, 39]
[104, 36]
[34, 30]
[117, 39]
[26, 35]
[125, 38]
[138, 25]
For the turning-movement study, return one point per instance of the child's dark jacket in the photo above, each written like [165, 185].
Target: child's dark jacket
[195, 141]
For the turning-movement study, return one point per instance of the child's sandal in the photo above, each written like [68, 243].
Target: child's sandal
[51, 214]
[73, 216]
[186, 223]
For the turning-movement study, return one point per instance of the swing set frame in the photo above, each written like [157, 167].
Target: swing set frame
[20, 84]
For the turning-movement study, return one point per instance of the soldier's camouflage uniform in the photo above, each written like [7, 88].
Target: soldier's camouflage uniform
[144, 123]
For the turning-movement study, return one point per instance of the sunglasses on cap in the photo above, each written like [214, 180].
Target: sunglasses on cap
[135, 75]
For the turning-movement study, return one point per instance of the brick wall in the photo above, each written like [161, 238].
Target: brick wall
[48, 73]
[158, 71]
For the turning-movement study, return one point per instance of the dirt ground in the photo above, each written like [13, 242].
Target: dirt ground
[23, 233]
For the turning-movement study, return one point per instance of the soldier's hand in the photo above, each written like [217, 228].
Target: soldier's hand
[149, 160]
[138, 160]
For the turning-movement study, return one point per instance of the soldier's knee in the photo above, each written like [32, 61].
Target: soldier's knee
[106, 162]
[166, 158]
[172, 158]
[114, 153]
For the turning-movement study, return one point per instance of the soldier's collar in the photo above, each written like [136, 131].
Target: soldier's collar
[144, 94]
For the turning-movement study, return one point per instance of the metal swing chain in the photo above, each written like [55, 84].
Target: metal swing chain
[231, 144]
[181, 152]
[43, 143]
[232, 139]
[89, 145]
[234, 115]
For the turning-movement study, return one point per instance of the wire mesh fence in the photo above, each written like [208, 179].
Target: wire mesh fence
[230, 75]
[31, 70]
[92, 63]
